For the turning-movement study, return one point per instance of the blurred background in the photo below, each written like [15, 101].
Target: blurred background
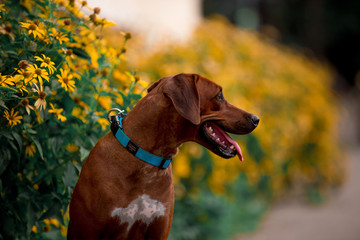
[326, 30]
[296, 65]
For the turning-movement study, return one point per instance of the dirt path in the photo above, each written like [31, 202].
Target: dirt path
[337, 219]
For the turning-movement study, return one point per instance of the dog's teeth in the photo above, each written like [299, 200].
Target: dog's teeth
[232, 147]
[223, 142]
[210, 129]
[214, 135]
[218, 139]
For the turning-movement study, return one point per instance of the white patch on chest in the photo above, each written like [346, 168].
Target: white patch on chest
[143, 209]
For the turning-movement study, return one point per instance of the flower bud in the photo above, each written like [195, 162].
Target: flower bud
[69, 52]
[96, 10]
[24, 102]
[127, 36]
[67, 21]
[92, 17]
[23, 64]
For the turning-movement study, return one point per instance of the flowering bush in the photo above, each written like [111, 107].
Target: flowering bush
[56, 86]
[58, 77]
[295, 144]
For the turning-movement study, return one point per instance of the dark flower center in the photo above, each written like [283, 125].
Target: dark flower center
[42, 95]
[38, 72]
[32, 27]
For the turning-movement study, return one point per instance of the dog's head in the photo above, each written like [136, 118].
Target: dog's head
[202, 103]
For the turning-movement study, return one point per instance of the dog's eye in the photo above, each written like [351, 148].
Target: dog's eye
[220, 97]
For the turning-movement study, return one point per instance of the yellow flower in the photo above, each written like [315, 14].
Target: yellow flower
[104, 101]
[59, 36]
[57, 112]
[54, 222]
[38, 117]
[33, 29]
[12, 117]
[40, 102]
[63, 230]
[34, 229]
[103, 122]
[36, 187]
[20, 176]
[79, 113]
[30, 150]
[105, 23]
[78, 101]
[26, 105]
[25, 76]
[5, 81]
[46, 62]
[19, 84]
[72, 148]
[28, 4]
[182, 166]
[7, 30]
[65, 78]
[38, 73]
[2, 7]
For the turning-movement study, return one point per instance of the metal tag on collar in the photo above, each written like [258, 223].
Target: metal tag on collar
[120, 112]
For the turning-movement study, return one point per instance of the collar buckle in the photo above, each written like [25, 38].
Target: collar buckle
[120, 113]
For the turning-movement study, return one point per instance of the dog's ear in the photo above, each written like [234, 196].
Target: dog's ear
[154, 85]
[182, 91]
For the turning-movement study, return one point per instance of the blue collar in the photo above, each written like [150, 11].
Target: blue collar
[125, 141]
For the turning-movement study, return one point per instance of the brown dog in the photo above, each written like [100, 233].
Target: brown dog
[119, 196]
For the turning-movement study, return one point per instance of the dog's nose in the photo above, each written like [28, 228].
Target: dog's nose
[254, 120]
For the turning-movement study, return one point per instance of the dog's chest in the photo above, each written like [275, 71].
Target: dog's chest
[142, 209]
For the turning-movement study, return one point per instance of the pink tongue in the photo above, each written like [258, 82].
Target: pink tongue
[236, 145]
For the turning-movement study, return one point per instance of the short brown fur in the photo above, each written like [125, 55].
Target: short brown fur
[170, 114]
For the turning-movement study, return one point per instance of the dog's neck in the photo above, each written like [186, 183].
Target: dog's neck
[144, 126]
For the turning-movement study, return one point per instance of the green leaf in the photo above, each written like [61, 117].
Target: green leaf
[5, 159]
[30, 217]
[84, 153]
[12, 54]
[32, 46]
[80, 53]
[2, 104]
[7, 135]
[77, 167]
[51, 211]
[18, 139]
[107, 94]
[38, 146]
[69, 177]
[7, 89]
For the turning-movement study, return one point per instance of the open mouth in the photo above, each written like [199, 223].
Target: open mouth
[222, 143]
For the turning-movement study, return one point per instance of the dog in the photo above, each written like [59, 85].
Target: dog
[119, 194]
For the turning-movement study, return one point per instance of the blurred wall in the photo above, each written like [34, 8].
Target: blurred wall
[159, 20]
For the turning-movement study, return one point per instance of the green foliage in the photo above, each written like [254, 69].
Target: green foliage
[216, 217]
[50, 123]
